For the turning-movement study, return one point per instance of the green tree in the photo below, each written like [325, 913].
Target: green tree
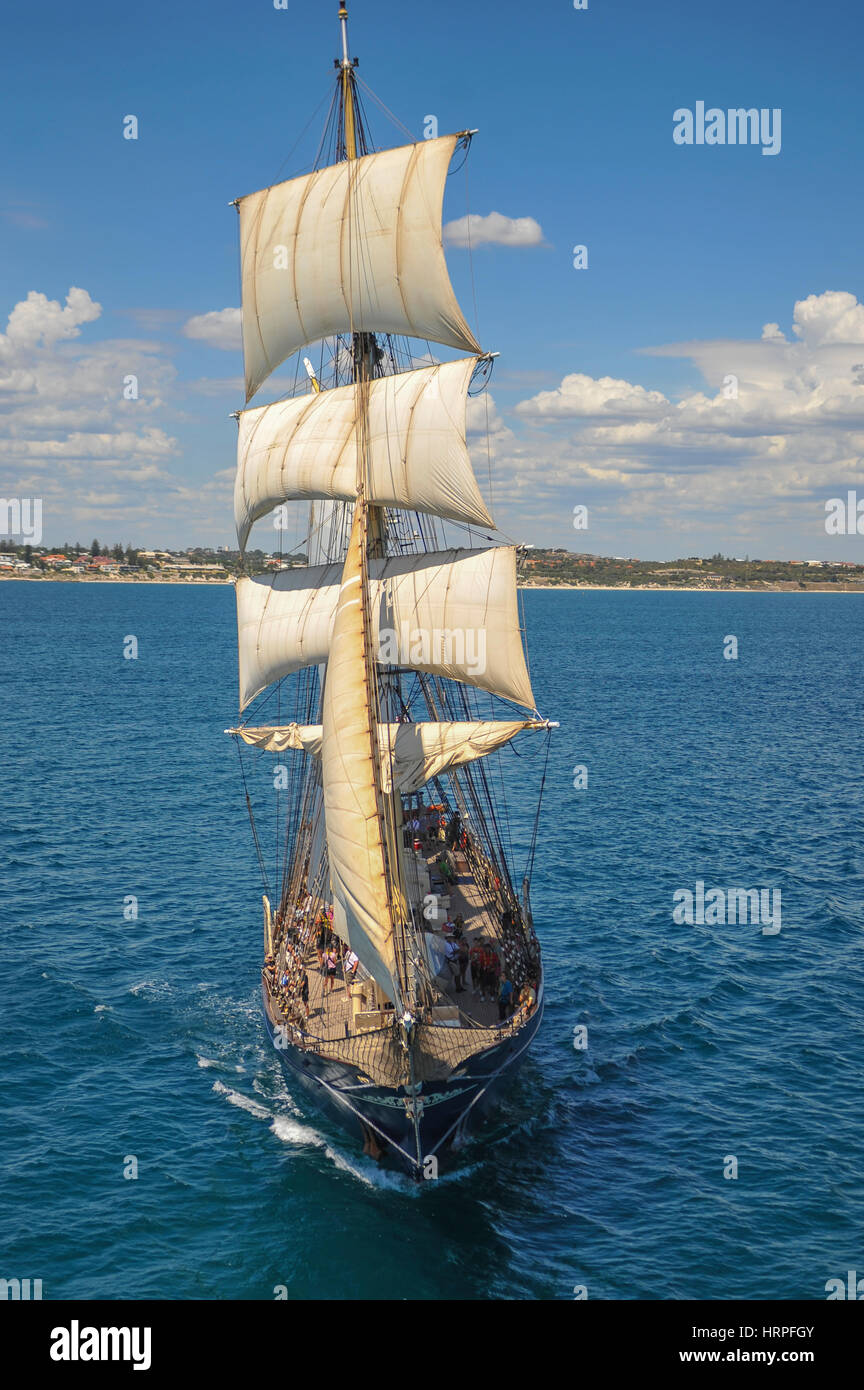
[94, 549]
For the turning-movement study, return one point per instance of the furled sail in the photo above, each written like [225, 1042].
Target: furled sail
[414, 436]
[355, 844]
[410, 754]
[452, 613]
[353, 248]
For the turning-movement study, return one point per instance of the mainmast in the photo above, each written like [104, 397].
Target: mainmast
[368, 539]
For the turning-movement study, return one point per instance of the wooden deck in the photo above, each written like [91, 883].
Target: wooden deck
[330, 1010]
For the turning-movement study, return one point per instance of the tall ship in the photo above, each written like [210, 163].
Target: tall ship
[402, 979]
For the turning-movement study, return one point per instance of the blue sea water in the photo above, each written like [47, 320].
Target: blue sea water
[603, 1167]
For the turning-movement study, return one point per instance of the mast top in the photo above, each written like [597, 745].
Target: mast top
[343, 20]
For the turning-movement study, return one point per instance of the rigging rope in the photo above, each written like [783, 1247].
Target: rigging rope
[529, 868]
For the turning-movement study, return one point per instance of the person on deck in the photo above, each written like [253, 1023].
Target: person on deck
[331, 961]
[451, 951]
[351, 962]
[304, 990]
[444, 866]
[323, 940]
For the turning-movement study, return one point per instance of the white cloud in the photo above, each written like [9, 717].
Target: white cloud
[67, 432]
[494, 230]
[832, 317]
[126, 444]
[220, 329]
[584, 396]
[778, 429]
[40, 319]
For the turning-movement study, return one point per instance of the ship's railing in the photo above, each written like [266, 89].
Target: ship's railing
[307, 1039]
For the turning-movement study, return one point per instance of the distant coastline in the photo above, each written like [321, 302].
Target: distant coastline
[537, 569]
[761, 588]
[814, 588]
[143, 583]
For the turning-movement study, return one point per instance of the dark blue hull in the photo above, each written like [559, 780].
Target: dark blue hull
[381, 1115]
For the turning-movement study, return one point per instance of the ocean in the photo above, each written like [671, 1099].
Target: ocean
[705, 1143]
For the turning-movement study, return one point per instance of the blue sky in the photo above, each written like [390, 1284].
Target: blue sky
[608, 391]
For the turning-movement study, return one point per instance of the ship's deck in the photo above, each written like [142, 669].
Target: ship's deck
[331, 1011]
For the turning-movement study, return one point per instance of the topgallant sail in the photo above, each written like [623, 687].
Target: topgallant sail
[402, 975]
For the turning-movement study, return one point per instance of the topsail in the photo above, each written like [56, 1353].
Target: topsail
[452, 613]
[306, 447]
[353, 248]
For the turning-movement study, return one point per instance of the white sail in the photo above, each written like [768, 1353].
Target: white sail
[452, 613]
[352, 805]
[278, 738]
[414, 437]
[410, 754]
[353, 248]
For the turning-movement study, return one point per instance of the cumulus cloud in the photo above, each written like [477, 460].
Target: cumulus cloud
[581, 396]
[771, 333]
[833, 317]
[777, 428]
[73, 412]
[38, 320]
[493, 230]
[125, 444]
[482, 417]
[220, 329]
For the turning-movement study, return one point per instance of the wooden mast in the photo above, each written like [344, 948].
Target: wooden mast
[370, 522]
